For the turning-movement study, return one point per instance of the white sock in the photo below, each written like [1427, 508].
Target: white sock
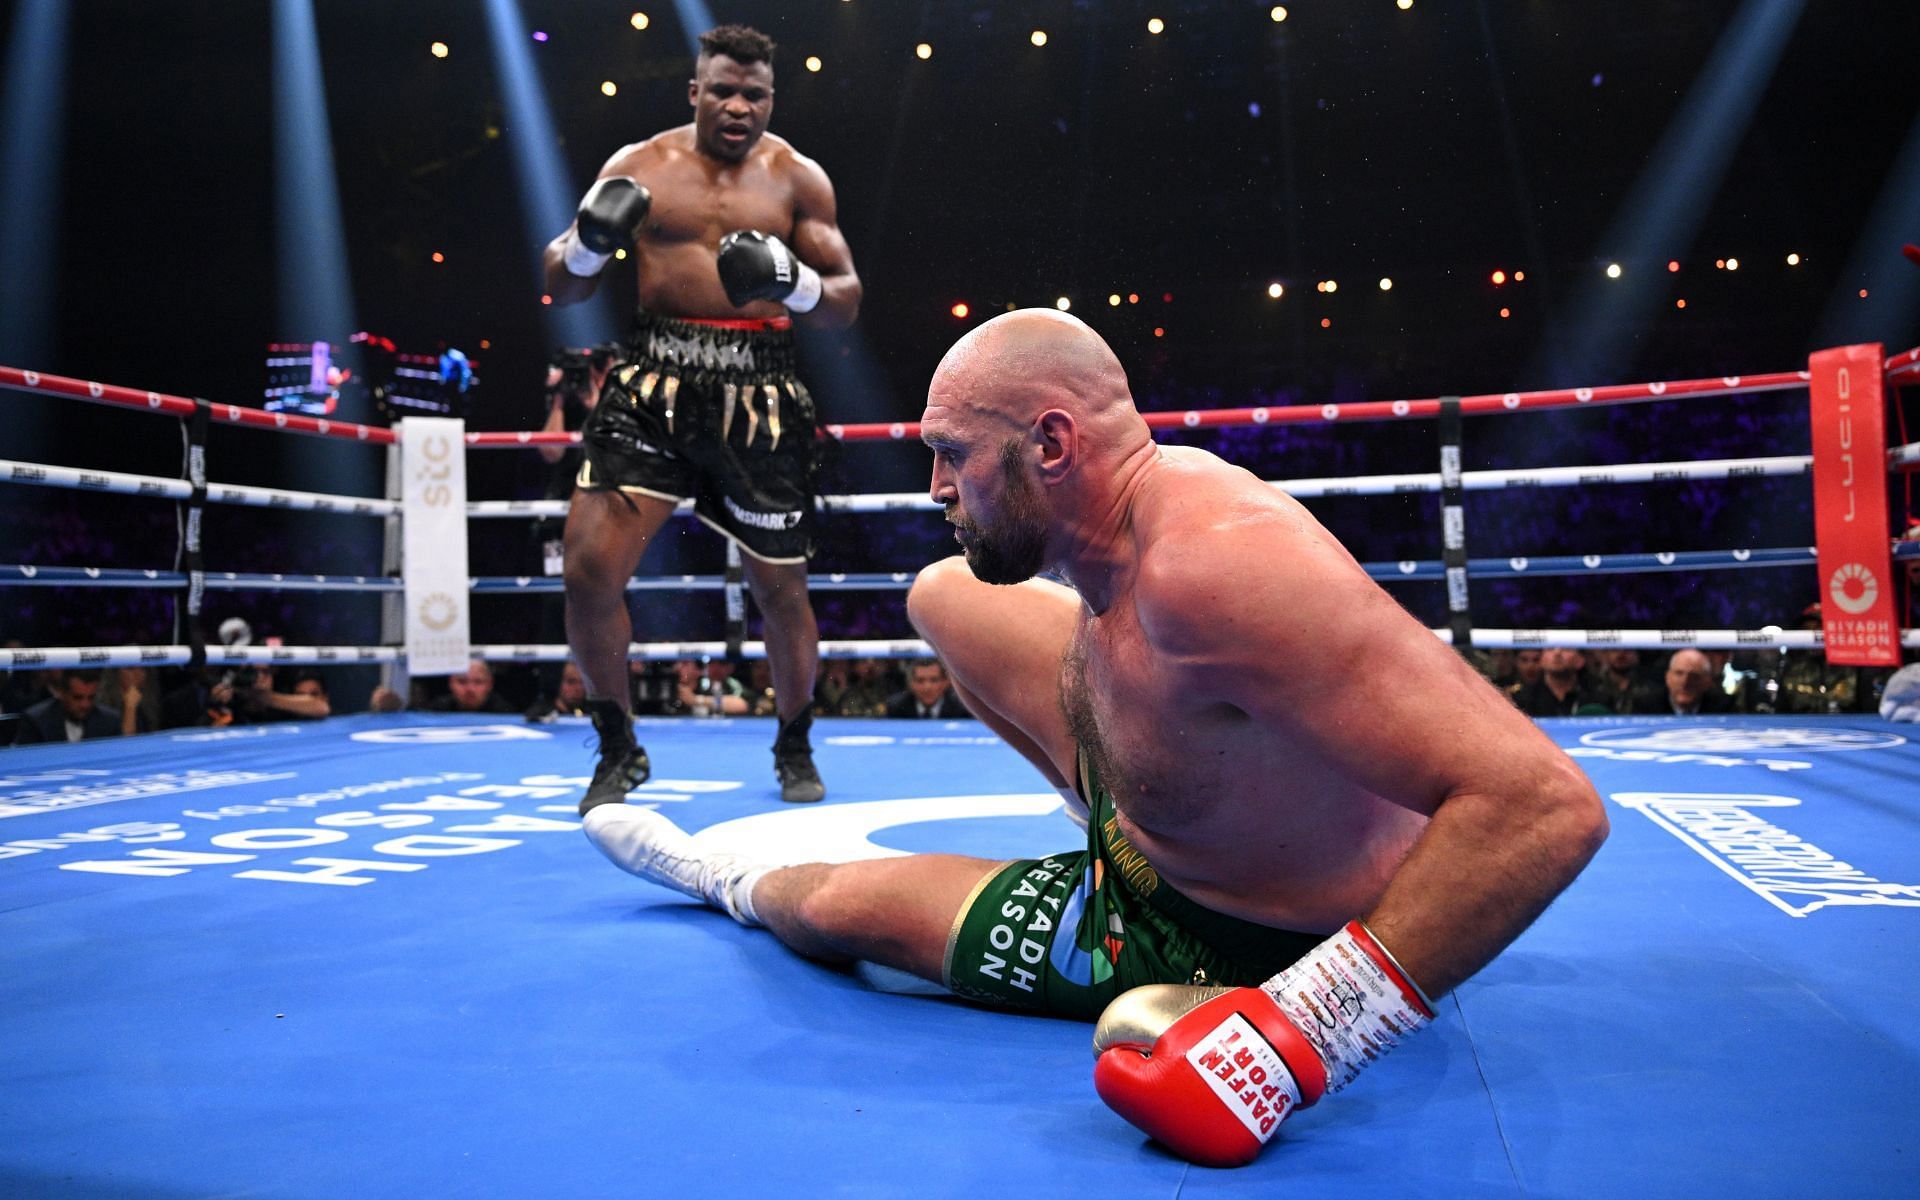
[642, 842]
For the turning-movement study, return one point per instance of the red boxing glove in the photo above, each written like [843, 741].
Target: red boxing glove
[1226, 1069]
[1212, 1072]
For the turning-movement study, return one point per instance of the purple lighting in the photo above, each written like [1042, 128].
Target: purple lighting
[539, 35]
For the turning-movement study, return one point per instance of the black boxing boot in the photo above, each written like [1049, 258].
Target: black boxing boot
[793, 762]
[623, 762]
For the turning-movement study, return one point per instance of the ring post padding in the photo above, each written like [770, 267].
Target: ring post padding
[1453, 525]
[736, 601]
[192, 560]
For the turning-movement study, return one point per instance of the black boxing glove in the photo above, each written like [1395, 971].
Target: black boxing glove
[758, 266]
[610, 216]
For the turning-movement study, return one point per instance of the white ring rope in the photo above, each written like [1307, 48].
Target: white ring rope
[179, 489]
[1494, 639]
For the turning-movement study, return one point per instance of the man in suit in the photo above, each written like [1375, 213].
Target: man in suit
[929, 695]
[1691, 689]
[70, 714]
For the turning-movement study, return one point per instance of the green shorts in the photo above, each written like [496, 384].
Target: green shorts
[1067, 933]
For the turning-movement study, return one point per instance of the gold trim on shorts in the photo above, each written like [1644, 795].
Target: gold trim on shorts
[960, 919]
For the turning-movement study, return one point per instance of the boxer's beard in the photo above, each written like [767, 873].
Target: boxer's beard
[1011, 549]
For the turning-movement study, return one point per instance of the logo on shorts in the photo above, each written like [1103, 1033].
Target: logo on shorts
[674, 349]
[766, 520]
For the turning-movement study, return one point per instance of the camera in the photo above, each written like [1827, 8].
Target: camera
[577, 368]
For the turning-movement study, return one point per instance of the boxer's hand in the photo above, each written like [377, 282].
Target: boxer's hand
[758, 266]
[1208, 1072]
[609, 219]
[1225, 1068]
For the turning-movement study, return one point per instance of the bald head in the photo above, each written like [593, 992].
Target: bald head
[1023, 363]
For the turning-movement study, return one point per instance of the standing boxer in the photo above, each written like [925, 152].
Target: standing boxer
[735, 235]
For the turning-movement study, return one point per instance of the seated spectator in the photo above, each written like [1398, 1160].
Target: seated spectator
[831, 686]
[1691, 688]
[867, 689]
[710, 690]
[569, 699]
[929, 695]
[471, 692]
[205, 699]
[21, 690]
[1616, 681]
[1526, 671]
[262, 702]
[139, 700]
[760, 698]
[1558, 692]
[71, 714]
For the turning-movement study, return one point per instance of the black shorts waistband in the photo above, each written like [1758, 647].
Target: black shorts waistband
[724, 351]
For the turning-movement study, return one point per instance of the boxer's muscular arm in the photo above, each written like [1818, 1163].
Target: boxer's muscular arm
[819, 243]
[563, 285]
[1303, 642]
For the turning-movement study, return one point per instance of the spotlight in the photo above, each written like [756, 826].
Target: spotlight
[1733, 264]
[1039, 37]
[1403, 5]
[1063, 304]
[1386, 285]
[1863, 293]
[1498, 277]
[923, 51]
[1613, 270]
[620, 254]
[1114, 300]
[1166, 297]
[1680, 303]
[1793, 260]
[1719, 264]
[486, 344]
[1333, 285]
[1159, 332]
[1505, 313]
[639, 20]
[439, 257]
[1326, 322]
[813, 63]
[439, 49]
[1275, 291]
[960, 310]
[539, 35]
[1278, 12]
[608, 88]
[546, 299]
[1156, 25]
[1672, 266]
[1133, 297]
[1519, 276]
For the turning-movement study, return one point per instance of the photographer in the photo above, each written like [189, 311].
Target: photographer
[574, 379]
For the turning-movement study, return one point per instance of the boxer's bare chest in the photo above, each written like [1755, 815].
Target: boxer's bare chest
[697, 202]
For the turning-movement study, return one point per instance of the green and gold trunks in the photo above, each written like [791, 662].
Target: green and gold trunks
[1067, 933]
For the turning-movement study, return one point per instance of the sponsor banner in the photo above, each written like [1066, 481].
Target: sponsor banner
[433, 504]
[1850, 507]
[1740, 834]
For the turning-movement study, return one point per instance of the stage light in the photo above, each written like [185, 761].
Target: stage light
[1326, 322]
[923, 51]
[1133, 297]
[1039, 37]
[1498, 277]
[1063, 304]
[1159, 332]
[813, 63]
[539, 35]
[439, 257]
[486, 343]
[960, 310]
[1403, 5]
[1278, 12]
[1679, 303]
[1505, 313]
[1519, 276]
[1333, 285]
[1613, 270]
[439, 49]
[546, 299]
[1386, 285]
[1733, 264]
[1275, 291]
[1672, 266]
[620, 254]
[1114, 300]
[608, 87]
[639, 20]
[1719, 264]
[1166, 297]
[1793, 260]
[1156, 25]
[1863, 293]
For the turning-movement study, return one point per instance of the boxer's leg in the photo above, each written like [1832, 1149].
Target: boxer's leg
[1003, 648]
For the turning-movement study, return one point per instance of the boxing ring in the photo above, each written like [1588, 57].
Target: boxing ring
[373, 955]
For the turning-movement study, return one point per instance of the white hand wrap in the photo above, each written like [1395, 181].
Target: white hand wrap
[806, 288]
[1351, 1000]
[582, 261]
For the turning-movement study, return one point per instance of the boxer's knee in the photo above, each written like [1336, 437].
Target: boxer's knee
[841, 918]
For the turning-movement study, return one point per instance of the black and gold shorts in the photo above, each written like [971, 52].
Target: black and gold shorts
[712, 411]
